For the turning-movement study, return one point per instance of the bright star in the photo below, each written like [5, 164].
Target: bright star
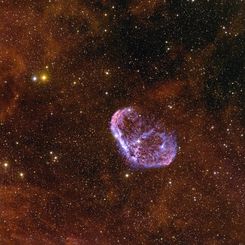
[44, 77]
[34, 78]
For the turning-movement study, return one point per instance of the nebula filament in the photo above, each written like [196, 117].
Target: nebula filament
[143, 142]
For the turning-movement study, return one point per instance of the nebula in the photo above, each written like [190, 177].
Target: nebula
[167, 167]
[143, 142]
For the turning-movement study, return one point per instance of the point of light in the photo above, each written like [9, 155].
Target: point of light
[22, 175]
[34, 78]
[107, 72]
[44, 77]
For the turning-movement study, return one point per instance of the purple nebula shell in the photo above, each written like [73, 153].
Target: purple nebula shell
[143, 142]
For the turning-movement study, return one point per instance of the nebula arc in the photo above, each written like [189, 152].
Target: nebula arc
[143, 142]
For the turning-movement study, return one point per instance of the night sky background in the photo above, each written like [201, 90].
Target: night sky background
[66, 67]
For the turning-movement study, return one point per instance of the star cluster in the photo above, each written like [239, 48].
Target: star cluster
[66, 67]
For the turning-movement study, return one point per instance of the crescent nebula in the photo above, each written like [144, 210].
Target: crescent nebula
[143, 142]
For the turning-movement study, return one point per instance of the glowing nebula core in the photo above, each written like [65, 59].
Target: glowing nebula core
[142, 141]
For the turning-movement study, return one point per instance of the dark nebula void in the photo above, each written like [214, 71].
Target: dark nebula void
[142, 141]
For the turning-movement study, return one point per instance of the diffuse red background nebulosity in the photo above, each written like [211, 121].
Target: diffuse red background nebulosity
[67, 67]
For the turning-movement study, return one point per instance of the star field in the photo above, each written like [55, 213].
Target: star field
[66, 67]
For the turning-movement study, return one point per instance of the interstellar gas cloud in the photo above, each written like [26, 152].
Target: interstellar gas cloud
[143, 141]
